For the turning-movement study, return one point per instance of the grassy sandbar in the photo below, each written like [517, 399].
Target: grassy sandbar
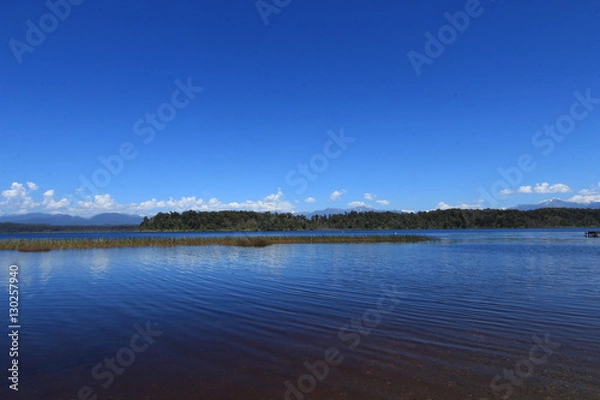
[32, 245]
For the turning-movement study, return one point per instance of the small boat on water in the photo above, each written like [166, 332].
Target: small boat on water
[593, 234]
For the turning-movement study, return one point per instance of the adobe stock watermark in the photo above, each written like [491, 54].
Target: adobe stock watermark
[446, 35]
[105, 371]
[524, 368]
[36, 34]
[318, 163]
[267, 7]
[350, 336]
[146, 128]
[545, 140]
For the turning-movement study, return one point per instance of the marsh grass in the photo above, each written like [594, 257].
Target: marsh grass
[34, 248]
[34, 245]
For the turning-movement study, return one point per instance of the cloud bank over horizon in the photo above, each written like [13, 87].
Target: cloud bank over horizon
[23, 198]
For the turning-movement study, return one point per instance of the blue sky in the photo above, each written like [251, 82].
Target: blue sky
[301, 106]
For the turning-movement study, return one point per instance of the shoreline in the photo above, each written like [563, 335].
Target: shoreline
[284, 232]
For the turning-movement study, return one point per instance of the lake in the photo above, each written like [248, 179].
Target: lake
[479, 314]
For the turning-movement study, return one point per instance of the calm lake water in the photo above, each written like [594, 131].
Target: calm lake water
[480, 314]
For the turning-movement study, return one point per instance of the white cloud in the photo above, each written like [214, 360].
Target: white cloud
[56, 205]
[16, 190]
[540, 188]
[18, 200]
[336, 195]
[587, 192]
[525, 190]
[587, 195]
[590, 198]
[50, 204]
[463, 206]
[310, 200]
[105, 203]
[372, 197]
[444, 206]
[100, 202]
[357, 204]
[17, 197]
[594, 190]
[547, 188]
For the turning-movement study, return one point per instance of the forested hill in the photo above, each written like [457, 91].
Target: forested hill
[438, 219]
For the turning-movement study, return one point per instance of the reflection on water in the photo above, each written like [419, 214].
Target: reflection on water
[99, 261]
[255, 323]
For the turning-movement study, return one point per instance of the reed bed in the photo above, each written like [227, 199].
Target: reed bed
[33, 245]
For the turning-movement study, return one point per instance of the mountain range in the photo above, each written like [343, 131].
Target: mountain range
[333, 211]
[555, 203]
[70, 220]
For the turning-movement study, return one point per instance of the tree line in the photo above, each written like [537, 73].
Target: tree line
[439, 219]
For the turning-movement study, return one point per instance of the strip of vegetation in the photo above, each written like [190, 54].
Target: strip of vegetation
[248, 221]
[244, 241]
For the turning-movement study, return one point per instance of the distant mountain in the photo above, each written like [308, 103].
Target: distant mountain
[555, 203]
[70, 220]
[40, 218]
[115, 219]
[333, 211]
